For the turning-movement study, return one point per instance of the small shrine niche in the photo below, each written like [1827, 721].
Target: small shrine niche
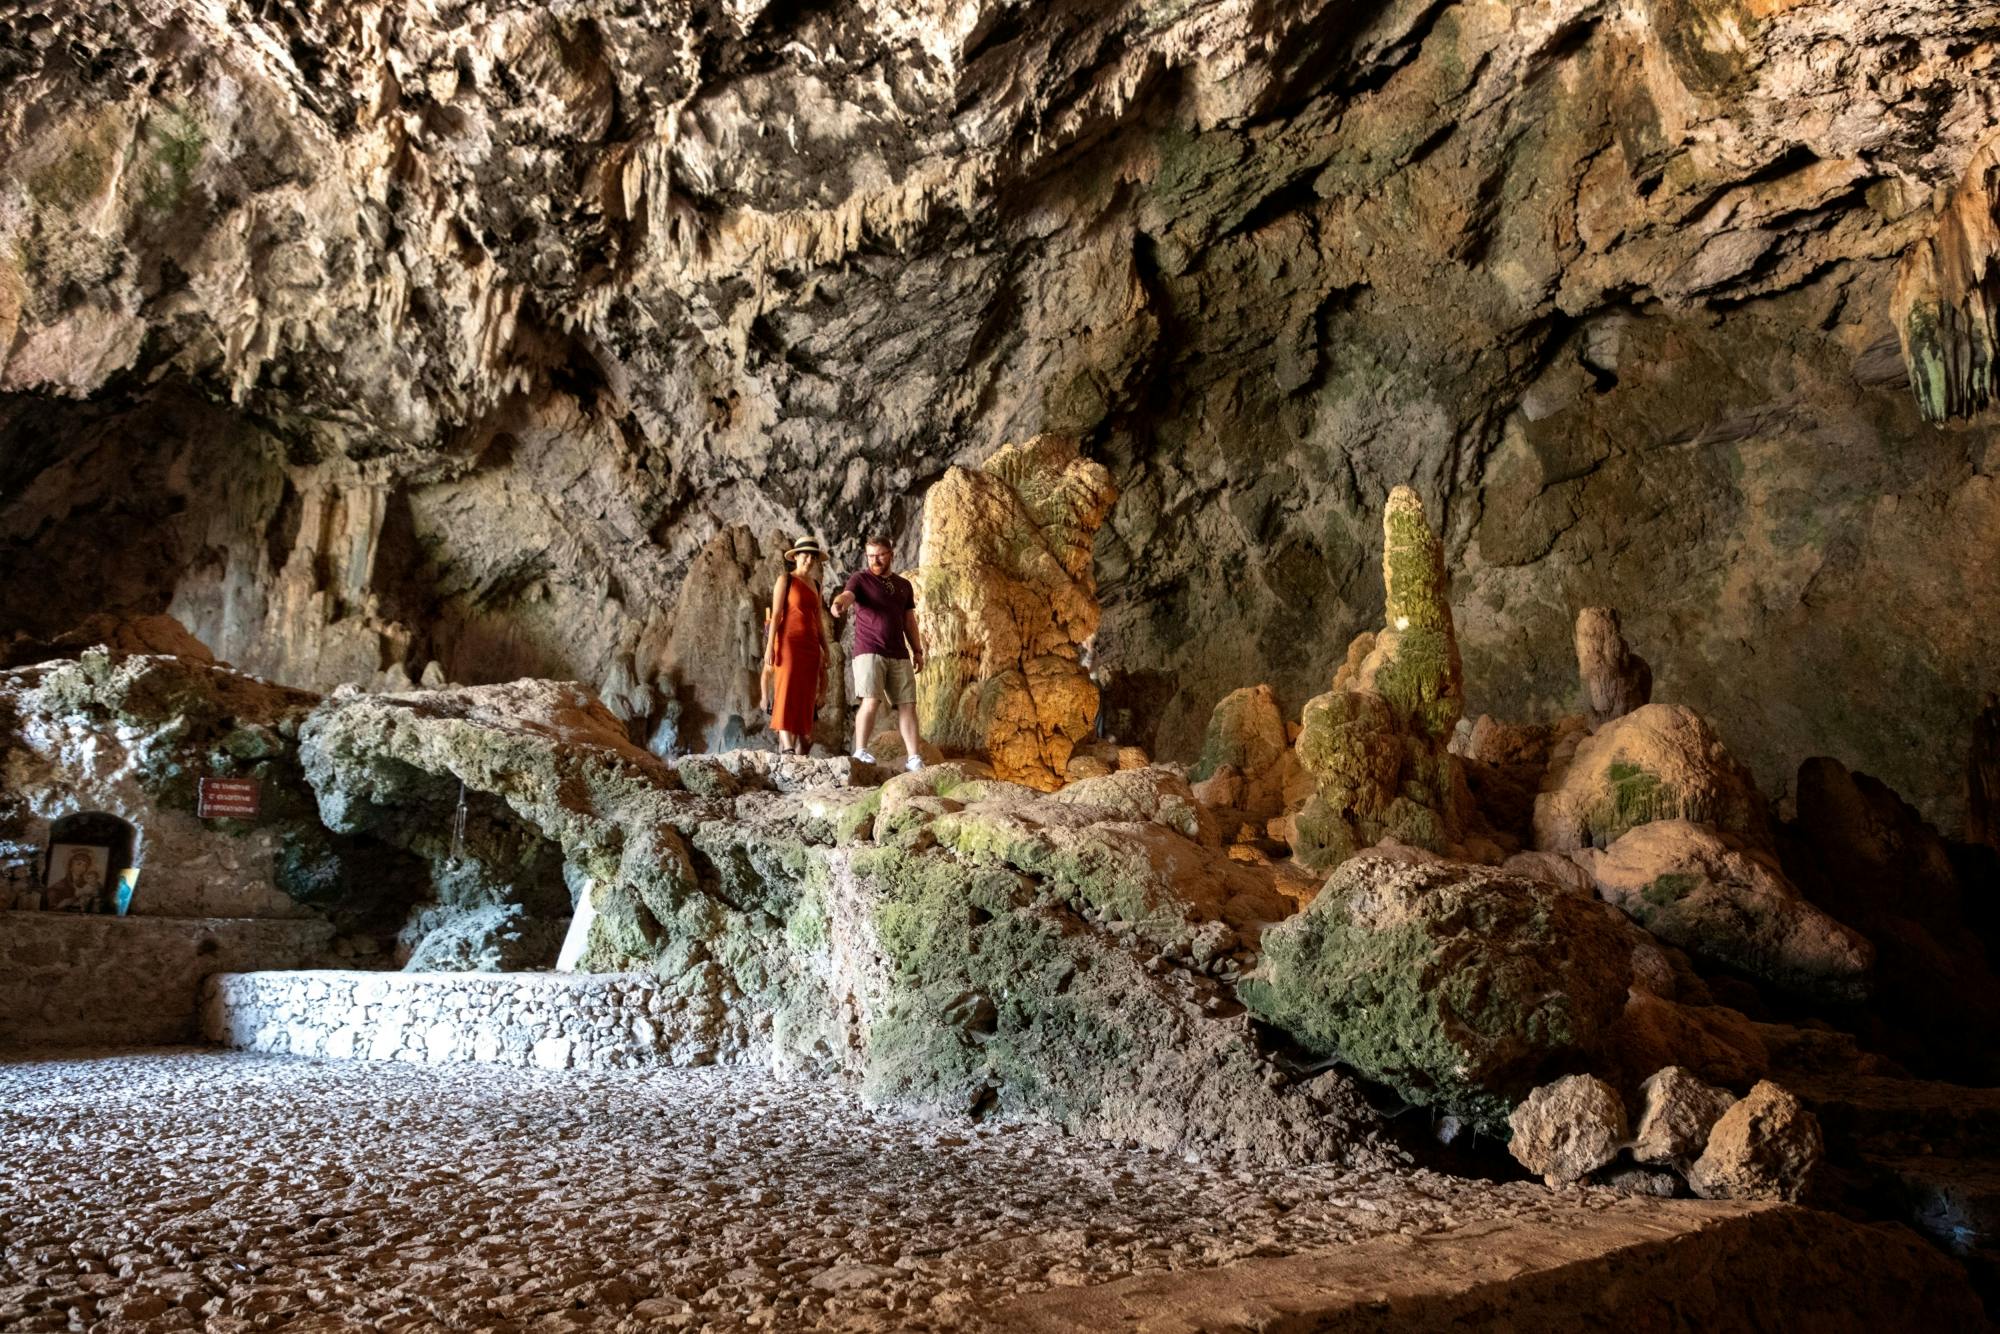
[85, 853]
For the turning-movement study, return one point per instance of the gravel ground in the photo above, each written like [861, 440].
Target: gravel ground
[182, 1189]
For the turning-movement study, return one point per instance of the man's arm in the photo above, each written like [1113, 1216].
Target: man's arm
[915, 639]
[845, 599]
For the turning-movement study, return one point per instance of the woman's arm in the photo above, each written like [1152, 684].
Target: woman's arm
[772, 652]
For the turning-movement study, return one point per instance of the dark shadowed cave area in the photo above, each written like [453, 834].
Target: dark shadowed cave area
[1451, 554]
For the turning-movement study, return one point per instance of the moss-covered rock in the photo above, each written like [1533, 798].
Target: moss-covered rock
[1660, 762]
[1729, 906]
[1459, 987]
[1377, 746]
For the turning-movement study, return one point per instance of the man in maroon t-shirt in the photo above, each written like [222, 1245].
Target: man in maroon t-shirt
[888, 652]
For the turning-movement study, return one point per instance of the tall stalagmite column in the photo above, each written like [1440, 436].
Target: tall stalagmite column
[1007, 600]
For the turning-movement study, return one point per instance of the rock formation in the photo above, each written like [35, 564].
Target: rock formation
[1728, 905]
[1765, 1147]
[1947, 300]
[130, 736]
[1457, 986]
[1615, 679]
[1568, 1129]
[1377, 746]
[1661, 762]
[1007, 602]
[1677, 1113]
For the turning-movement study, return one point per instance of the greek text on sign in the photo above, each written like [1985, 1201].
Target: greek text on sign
[229, 798]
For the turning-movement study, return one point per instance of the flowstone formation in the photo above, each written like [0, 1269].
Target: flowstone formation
[1947, 301]
[1007, 602]
[1378, 745]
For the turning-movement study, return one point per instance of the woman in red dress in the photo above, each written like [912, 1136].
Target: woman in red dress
[795, 653]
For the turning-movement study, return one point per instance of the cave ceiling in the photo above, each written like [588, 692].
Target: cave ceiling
[365, 334]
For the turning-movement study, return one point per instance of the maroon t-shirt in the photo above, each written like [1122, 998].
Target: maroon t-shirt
[879, 605]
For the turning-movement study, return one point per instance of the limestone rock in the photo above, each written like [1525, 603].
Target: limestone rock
[1506, 762]
[501, 938]
[156, 635]
[1377, 746]
[128, 737]
[427, 339]
[712, 653]
[1729, 905]
[1660, 762]
[1714, 1042]
[1765, 1147]
[1246, 736]
[1456, 985]
[1007, 600]
[1554, 868]
[509, 792]
[1158, 795]
[1677, 1112]
[1568, 1129]
[1944, 305]
[1139, 873]
[1615, 679]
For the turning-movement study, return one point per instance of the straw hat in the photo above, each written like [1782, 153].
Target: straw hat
[810, 544]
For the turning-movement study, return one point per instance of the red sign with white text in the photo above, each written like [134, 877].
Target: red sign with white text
[229, 799]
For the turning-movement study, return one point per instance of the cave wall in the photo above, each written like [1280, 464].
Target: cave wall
[383, 334]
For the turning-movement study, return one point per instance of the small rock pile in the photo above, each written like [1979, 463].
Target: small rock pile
[1765, 1146]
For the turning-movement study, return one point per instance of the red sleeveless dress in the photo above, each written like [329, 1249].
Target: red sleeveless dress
[800, 660]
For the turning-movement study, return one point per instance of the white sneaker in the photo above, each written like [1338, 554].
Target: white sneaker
[864, 757]
[914, 763]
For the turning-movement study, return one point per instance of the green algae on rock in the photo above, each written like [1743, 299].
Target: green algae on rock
[1458, 986]
[1377, 744]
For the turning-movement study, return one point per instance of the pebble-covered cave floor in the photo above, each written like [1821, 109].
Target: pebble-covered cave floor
[184, 1189]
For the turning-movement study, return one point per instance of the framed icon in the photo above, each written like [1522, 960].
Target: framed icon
[75, 878]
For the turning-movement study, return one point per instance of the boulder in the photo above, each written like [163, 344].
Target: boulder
[1006, 600]
[1660, 762]
[1715, 1042]
[499, 939]
[1729, 906]
[1246, 737]
[1765, 1147]
[1615, 679]
[156, 635]
[1568, 1129]
[1677, 1112]
[1152, 794]
[1460, 987]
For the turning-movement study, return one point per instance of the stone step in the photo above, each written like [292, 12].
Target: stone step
[72, 978]
[553, 1021]
[1637, 1265]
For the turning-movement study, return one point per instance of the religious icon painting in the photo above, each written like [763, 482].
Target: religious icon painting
[75, 879]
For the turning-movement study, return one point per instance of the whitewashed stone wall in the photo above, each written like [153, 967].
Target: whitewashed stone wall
[69, 978]
[556, 1021]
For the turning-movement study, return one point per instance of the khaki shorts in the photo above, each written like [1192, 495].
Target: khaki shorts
[891, 679]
